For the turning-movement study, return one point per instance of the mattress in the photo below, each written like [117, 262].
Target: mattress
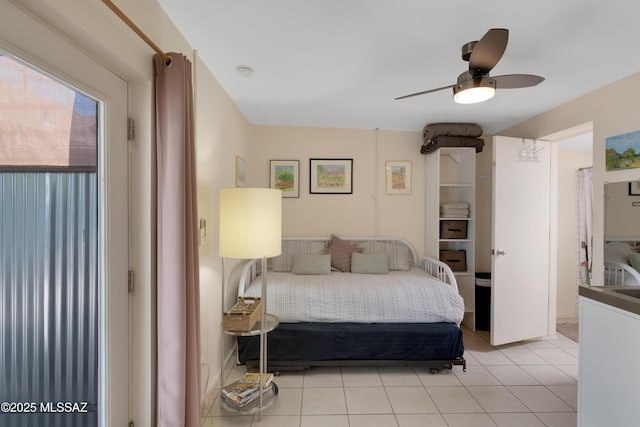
[411, 296]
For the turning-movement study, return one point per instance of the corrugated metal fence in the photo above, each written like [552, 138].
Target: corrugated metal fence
[48, 299]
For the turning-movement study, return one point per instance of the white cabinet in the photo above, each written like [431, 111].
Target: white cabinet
[609, 383]
[450, 179]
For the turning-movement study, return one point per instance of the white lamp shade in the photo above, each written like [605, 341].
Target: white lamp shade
[250, 223]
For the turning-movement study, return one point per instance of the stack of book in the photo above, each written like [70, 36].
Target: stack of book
[246, 390]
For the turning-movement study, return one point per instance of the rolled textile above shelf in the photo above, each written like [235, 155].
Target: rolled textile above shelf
[436, 142]
[451, 129]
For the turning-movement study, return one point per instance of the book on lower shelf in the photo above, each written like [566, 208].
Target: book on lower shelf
[246, 390]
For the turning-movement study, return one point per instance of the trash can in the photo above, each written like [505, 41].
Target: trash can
[483, 301]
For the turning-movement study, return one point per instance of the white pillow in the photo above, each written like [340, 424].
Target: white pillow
[617, 251]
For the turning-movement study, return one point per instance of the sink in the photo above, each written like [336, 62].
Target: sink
[632, 292]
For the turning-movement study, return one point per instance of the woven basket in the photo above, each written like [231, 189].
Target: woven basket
[242, 316]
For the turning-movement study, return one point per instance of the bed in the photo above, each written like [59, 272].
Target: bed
[376, 306]
[621, 262]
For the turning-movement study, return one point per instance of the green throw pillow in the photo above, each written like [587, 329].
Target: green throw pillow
[634, 260]
[311, 264]
[369, 263]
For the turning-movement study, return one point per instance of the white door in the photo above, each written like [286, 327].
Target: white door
[25, 38]
[520, 241]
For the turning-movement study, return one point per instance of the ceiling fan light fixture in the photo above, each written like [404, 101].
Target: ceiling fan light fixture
[474, 90]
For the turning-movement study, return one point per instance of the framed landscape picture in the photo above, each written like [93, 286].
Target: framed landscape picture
[285, 176]
[623, 151]
[398, 177]
[241, 172]
[330, 176]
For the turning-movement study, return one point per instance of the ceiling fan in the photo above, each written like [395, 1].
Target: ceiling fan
[476, 85]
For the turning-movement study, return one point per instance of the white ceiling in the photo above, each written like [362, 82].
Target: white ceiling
[340, 63]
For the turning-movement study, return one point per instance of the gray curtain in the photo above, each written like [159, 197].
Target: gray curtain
[178, 314]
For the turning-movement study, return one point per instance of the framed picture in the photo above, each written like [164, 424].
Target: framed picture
[398, 177]
[330, 176]
[241, 172]
[634, 188]
[285, 176]
[623, 151]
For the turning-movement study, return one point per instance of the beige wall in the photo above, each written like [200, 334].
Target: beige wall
[369, 211]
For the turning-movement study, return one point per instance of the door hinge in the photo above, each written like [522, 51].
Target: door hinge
[131, 129]
[131, 282]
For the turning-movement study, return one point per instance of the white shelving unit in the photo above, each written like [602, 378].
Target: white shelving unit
[451, 177]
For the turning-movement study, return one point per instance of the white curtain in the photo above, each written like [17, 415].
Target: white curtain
[585, 223]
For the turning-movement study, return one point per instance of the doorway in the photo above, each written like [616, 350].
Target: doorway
[575, 153]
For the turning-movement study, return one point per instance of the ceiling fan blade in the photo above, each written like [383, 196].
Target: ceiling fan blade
[488, 51]
[515, 81]
[424, 92]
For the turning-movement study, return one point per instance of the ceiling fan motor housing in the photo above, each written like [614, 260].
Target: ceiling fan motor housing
[470, 89]
[474, 82]
[467, 49]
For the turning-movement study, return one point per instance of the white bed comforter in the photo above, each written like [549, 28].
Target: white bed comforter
[397, 297]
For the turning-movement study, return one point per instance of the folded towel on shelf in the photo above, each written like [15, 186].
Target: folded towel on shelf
[457, 213]
[454, 205]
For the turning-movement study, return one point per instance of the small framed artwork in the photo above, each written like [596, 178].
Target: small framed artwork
[285, 176]
[622, 151]
[634, 188]
[331, 176]
[398, 177]
[241, 172]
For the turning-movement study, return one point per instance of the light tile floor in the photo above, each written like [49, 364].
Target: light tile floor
[527, 384]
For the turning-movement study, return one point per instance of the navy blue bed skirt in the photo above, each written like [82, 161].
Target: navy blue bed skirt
[357, 341]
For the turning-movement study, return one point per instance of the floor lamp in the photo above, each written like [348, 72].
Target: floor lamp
[251, 228]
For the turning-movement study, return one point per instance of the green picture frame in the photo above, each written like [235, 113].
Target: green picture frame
[285, 176]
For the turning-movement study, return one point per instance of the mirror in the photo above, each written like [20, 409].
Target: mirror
[621, 233]
[622, 218]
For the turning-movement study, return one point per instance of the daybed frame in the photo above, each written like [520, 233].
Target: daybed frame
[618, 273]
[297, 346]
